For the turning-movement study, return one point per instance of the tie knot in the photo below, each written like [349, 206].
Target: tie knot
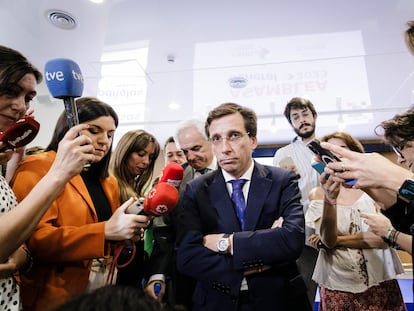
[238, 183]
[203, 171]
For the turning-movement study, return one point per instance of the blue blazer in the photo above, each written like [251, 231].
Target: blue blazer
[207, 208]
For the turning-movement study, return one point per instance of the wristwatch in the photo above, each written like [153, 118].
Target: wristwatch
[406, 191]
[223, 244]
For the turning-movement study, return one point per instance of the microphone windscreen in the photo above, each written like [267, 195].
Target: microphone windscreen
[63, 78]
[21, 133]
[173, 174]
[161, 199]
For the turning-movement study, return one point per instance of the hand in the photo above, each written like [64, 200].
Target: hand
[210, 241]
[123, 226]
[16, 260]
[316, 242]
[377, 223]
[369, 169]
[278, 223]
[330, 186]
[6, 155]
[149, 290]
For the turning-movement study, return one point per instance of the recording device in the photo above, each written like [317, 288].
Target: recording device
[326, 157]
[65, 81]
[19, 134]
[173, 174]
[160, 200]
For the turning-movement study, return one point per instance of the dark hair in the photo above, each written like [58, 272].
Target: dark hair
[399, 129]
[299, 103]
[409, 36]
[112, 297]
[249, 116]
[351, 142]
[89, 108]
[132, 141]
[169, 140]
[13, 67]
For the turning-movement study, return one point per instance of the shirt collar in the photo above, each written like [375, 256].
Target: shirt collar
[247, 175]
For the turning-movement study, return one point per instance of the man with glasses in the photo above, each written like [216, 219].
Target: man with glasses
[242, 226]
[386, 182]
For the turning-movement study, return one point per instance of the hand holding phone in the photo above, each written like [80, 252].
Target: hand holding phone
[326, 157]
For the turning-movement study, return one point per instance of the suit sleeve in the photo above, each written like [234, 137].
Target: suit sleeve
[253, 248]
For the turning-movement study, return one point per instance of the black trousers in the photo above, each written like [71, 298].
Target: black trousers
[306, 264]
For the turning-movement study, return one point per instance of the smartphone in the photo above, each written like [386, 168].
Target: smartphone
[326, 157]
[136, 208]
[319, 166]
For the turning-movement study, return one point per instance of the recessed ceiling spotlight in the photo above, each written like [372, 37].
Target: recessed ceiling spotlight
[61, 19]
[237, 82]
[97, 1]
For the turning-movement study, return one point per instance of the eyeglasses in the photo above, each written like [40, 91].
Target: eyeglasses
[398, 151]
[233, 138]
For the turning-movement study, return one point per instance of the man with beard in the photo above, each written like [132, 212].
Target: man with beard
[298, 157]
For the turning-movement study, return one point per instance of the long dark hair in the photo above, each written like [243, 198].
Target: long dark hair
[13, 66]
[89, 108]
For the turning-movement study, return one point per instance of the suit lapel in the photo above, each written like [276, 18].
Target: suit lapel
[80, 187]
[260, 186]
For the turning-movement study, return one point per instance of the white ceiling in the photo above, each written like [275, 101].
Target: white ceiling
[346, 55]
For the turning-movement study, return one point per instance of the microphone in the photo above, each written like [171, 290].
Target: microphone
[65, 81]
[173, 174]
[160, 200]
[20, 134]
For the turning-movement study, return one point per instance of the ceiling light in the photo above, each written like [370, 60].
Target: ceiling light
[237, 82]
[61, 19]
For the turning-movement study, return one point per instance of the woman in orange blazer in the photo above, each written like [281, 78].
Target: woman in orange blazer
[82, 221]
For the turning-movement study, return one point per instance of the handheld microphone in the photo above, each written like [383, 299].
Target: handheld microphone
[173, 174]
[65, 81]
[20, 134]
[160, 200]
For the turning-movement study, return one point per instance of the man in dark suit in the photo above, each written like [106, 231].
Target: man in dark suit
[242, 262]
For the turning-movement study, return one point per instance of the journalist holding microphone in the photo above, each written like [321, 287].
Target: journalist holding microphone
[18, 81]
[71, 244]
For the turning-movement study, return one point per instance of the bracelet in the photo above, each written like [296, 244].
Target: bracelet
[392, 236]
[329, 202]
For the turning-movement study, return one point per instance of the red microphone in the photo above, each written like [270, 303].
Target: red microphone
[20, 134]
[172, 174]
[160, 200]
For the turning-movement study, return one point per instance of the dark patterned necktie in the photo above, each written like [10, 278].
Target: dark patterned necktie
[238, 199]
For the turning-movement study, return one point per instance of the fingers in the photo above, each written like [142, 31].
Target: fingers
[340, 151]
[6, 155]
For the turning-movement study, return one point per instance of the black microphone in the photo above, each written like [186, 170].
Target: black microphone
[65, 81]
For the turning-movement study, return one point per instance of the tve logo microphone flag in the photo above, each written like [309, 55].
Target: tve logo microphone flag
[65, 81]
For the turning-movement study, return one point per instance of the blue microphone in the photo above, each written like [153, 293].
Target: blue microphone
[65, 81]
